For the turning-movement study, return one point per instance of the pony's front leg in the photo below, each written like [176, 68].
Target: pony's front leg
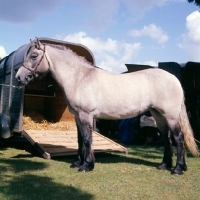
[84, 123]
[180, 163]
[80, 157]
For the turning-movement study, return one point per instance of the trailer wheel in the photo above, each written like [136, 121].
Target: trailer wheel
[4, 126]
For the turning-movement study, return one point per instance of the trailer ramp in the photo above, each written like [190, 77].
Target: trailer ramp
[51, 143]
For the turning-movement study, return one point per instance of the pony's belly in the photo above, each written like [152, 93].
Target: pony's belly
[117, 115]
[128, 109]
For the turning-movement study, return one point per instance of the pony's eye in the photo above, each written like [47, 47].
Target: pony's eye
[34, 56]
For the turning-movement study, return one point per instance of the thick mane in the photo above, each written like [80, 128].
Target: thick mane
[73, 54]
[74, 57]
[57, 46]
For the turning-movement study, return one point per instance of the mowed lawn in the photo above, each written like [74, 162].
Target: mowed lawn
[24, 174]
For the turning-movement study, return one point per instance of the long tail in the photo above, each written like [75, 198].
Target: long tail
[187, 131]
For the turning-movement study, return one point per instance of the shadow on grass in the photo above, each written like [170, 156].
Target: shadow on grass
[138, 155]
[21, 165]
[111, 159]
[27, 186]
[119, 159]
[34, 187]
[20, 144]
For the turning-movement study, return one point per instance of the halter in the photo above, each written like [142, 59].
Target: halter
[33, 71]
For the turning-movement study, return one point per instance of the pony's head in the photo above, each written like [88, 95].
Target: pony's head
[35, 65]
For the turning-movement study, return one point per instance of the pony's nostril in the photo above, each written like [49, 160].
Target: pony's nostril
[18, 79]
[29, 77]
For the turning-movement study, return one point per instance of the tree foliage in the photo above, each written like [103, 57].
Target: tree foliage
[196, 2]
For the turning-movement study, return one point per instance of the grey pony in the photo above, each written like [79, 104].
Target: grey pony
[94, 93]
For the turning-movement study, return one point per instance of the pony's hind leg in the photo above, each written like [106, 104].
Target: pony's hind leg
[163, 127]
[85, 159]
[180, 163]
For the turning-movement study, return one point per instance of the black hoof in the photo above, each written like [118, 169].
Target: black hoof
[184, 168]
[178, 170]
[75, 164]
[86, 167]
[164, 166]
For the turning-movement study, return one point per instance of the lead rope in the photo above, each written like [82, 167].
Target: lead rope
[14, 86]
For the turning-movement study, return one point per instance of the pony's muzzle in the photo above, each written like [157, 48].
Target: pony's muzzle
[18, 78]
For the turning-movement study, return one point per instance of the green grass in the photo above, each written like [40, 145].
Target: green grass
[24, 174]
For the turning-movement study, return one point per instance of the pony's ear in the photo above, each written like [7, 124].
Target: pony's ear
[38, 44]
[31, 42]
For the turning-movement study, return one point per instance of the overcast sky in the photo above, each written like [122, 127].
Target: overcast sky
[118, 32]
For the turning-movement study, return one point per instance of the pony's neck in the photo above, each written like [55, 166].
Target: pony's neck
[67, 67]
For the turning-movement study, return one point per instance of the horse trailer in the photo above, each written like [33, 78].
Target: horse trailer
[40, 96]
